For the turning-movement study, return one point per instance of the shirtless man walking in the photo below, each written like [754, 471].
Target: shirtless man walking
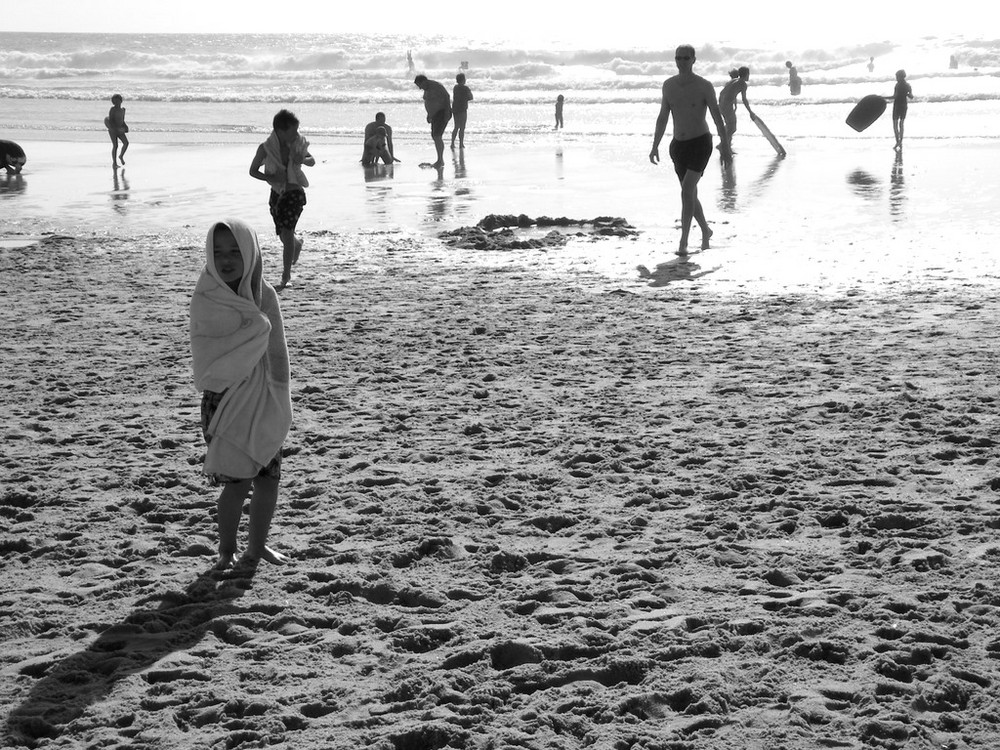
[688, 97]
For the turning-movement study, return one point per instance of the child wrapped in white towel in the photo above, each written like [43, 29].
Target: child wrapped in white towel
[240, 362]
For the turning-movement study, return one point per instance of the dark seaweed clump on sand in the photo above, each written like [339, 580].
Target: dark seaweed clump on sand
[506, 232]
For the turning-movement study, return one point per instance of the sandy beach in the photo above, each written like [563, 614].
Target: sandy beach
[561, 491]
[525, 510]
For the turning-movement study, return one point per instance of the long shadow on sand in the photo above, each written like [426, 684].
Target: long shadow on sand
[159, 626]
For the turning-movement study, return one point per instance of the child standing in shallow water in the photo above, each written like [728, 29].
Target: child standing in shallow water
[900, 99]
[115, 123]
[240, 362]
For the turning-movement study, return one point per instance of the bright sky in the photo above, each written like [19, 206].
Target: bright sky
[633, 22]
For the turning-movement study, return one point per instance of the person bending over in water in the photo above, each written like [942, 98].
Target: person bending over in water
[727, 99]
[12, 157]
[240, 363]
[376, 148]
[688, 97]
[379, 122]
[437, 103]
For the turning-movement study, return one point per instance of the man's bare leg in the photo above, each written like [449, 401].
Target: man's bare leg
[439, 147]
[690, 207]
[706, 233]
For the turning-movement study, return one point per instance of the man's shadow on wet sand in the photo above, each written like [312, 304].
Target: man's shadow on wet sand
[159, 626]
[680, 268]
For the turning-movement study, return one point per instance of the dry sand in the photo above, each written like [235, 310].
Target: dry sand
[523, 514]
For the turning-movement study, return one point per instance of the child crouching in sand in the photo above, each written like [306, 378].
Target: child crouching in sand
[240, 362]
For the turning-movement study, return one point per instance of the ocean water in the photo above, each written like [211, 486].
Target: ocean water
[210, 88]
[841, 207]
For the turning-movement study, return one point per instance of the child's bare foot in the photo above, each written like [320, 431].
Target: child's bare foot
[225, 560]
[682, 250]
[267, 554]
[705, 237]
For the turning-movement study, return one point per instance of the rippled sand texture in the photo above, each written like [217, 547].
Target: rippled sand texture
[523, 514]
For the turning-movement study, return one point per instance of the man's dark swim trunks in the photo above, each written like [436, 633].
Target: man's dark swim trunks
[440, 121]
[693, 154]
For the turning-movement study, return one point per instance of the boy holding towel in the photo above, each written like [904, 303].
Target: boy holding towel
[240, 362]
[282, 156]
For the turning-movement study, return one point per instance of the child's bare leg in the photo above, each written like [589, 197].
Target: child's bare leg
[287, 254]
[262, 504]
[124, 141]
[230, 509]
[114, 150]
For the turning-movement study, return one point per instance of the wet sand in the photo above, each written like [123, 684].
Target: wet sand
[525, 509]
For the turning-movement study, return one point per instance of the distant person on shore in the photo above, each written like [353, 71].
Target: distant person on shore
[438, 106]
[871, 64]
[240, 363]
[689, 97]
[900, 100]
[559, 111]
[461, 95]
[953, 63]
[794, 82]
[409, 61]
[117, 128]
[12, 157]
[369, 155]
[727, 99]
[282, 156]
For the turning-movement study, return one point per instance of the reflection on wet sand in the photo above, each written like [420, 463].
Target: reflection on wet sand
[729, 196]
[870, 187]
[12, 183]
[378, 187]
[439, 200]
[464, 196]
[119, 192]
[897, 189]
[865, 184]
